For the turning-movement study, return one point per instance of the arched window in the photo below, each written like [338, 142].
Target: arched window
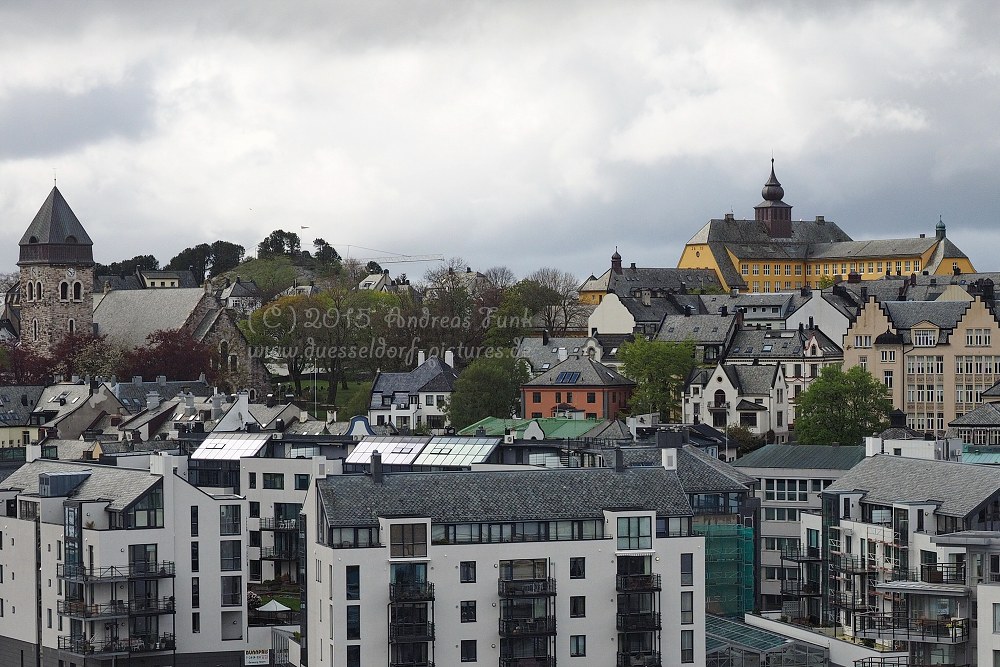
[224, 355]
[72, 326]
[720, 398]
[63, 291]
[33, 239]
[34, 329]
[77, 290]
[38, 290]
[70, 239]
[31, 291]
[253, 395]
[232, 362]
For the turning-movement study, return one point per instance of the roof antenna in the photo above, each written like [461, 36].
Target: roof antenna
[54, 177]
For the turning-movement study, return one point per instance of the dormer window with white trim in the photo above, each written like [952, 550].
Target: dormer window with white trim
[924, 337]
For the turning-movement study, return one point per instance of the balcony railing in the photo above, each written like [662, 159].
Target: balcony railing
[801, 554]
[150, 643]
[137, 570]
[79, 609]
[151, 606]
[274, 523]
[279, 553]
[638, 659]
[851, 564]
[526, 587]
[411, 663]
[638, 621]
[532, 661]
[638, 582]
[232, 599]
[718, 405]
[934, 631]
[411, 592]
[852, 601]
[411, 632]
[798, 588]
[134, 644]
[526, 627]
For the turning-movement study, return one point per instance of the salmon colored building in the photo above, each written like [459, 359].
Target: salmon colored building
[577, 386]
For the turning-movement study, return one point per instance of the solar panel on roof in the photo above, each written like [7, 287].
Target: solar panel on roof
[567, 377]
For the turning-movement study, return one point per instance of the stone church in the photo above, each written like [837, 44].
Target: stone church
[56, 296]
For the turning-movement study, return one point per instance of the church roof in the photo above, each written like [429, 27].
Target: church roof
[55, 222]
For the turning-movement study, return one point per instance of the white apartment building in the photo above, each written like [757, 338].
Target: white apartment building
[790, 479]
[109, 566]
[591, 566]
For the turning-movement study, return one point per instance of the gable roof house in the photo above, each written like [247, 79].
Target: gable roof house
[627, 281]
[577, 387]
[750, 395]
[414, 399]
[711, 334]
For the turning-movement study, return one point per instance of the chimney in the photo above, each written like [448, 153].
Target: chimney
[449, 358]
[724, 311]
[923, 236]
[545, 338]
[956, 271]
[107, 286]
[563, 354]
[735, 292]
[421, 357]
[864, 294]
[237, 280]
[821, 219]
[801, 327]
[189, 410]
[136, 379]
[161, 380]
[152, 400]
[632, 266]
[812, 325]
[619, 460]
[687, 311]
[468, 269]
[217, 406]
[270, 401]
[729, 217]
[988, 290]
[913, 279]
[853, 277]
[377, 467]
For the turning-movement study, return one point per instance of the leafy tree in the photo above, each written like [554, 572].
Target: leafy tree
[128, 266]
[659, 369]
[279, 242]
[841, 406]
[373, 267]
[225, 257]
[558, 297]
[488, 387]
[745, 439]
[281, 328]
[198, 259]
[824, 282]
[173, 353]
[20, 365]
[325, 252]
[87, 354]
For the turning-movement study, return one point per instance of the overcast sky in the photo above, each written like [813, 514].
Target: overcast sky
[520, 133]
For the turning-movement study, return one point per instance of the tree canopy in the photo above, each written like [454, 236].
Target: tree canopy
[128, 266]
[488, 387]
[841, 406]
[659, 369]
[279, 242]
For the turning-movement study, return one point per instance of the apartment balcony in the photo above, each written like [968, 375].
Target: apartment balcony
[637, 583]
[117, 645]
[111, 573]
[715, 406]
[512, 588]
[80, 609]
[422, 631]
[799, 589]
[418, 591]
[638, 659]
[638, 621]
[279, 553]
[151, 643]
[850, 601]
[886, 627]
[151, 606]
[852, 564]
[801, 554]
[152, 570]
[527, 627]
[411, 663]
[530, 661]
[279, 525]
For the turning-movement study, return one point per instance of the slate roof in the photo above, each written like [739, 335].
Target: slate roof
[744, 405]
[701, 473]
[117, 282]
[960, 488]
[992, 392]
[241, 288]
[501, 496]
[751, 378]
[778, 344]
[185, 279]
[943, 314]
[70, 450]
[553, 428]
[120, 486]
[432, 375]
[133, 394]
[874, 248]
[986, 414]
[678, 280]
[54, 222]
[701, 329]
[538, 354]
[659, 306]
[591, 374]
[17, 402]
[129, 316]
[805, 457]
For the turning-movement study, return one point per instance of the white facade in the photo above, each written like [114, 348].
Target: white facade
[935, 449]
[718, 403]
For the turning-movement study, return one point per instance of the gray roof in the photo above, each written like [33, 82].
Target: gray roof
[116, 281]
[874, 248]
[241, 288]
[432, 375]
[987, 414]
[701, 329]
[120, 486]
[751, 378]
[959, 488]
[501, 496]
[678, 280]
[943, 314]
[538, 354]
[17, 402]
[701, 473]
[804, 457]
[586, 373]
[184, 277]
[778, 344]
[133, 394]
[129, 316]
[55, 222]
[659, 306]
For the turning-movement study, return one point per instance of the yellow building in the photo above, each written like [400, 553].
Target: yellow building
[774, 253]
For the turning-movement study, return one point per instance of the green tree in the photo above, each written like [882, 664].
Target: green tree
[488, 387]
[824, 282]
[325, 253]
[197, 259]
[841, 406]
[745, 439]
[358, 403]
[128, 266]
[226, 256]
[659, 369]
[279, 242]
[280, 331]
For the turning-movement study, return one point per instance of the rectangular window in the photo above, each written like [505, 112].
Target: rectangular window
[863, 341]
[353, 656]
[863, 361]
[194, 521]
[252, 480]
[232, 591]
[635, 532]
[254, 538]
[468, 649]
[924, 337]
[687, 607]
[196, 622]
[578, 643]
[408, 540]
[353, 582]
[229, 520]
[468, 611]
[687, 646]
[591, 397]
[274, 480]
[194, 556]
[888, 356]
[302, 482]
[536, 397]
[887, 379]
[354, 621]
[767, 269]
[996, 618]
[231, 555]
[467, 571]
[577, 606]
[195, 592]
[687, 569]
[578, 567]
[254, 509]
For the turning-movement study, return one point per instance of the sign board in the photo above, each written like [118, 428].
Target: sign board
[257, 656]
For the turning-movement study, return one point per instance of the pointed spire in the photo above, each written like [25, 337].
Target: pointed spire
[772, 190]
[55, 224]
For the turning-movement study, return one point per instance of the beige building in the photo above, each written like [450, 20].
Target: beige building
[935, 356]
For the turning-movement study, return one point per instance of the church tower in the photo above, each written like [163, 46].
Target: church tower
[773, 212]
[56, 263]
